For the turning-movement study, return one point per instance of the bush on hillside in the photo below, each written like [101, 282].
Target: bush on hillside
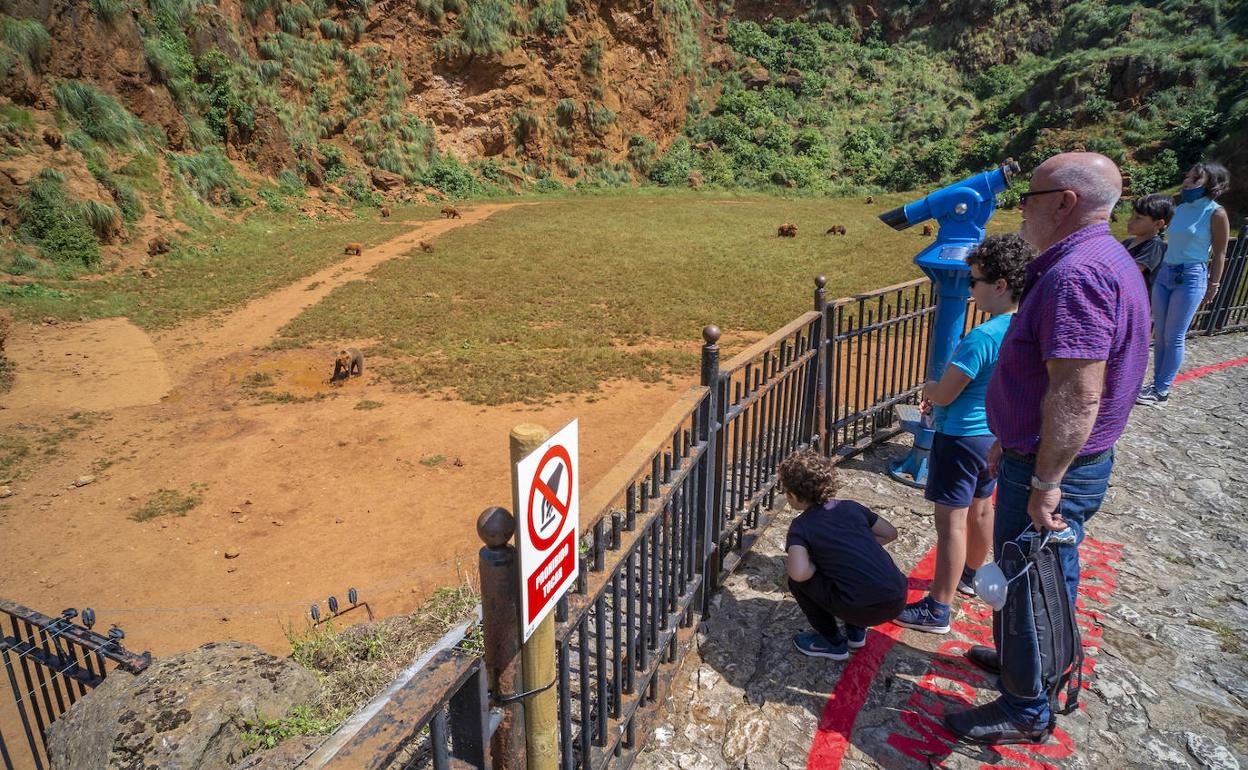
[100, 115]
[28, 39]
[210, 175]
[108, 11]
[452, 179]
[484, 28]
[56, 225]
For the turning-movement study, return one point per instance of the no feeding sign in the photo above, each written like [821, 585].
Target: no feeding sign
[548, 493]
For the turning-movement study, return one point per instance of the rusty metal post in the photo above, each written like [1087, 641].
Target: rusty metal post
[819, 429]
[500, 623]
[541, 721]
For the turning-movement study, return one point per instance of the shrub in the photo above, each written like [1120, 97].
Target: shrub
[254, 9]
[358, 188]
[550, 16]
[566, 110]
[210, 175]
[101, 217]
[27, 38]
[673, 168]
[226, 106]
[57, 226]
[448, 176]
[108, 10]
[524, 126]
[641, 151]
[600, 117]
[99, 114]
[591, 59]
[485, 28]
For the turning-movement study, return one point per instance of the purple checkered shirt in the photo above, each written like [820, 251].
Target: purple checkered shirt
[1083, 298]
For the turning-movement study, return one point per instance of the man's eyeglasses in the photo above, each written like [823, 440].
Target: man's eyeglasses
[1024, 196]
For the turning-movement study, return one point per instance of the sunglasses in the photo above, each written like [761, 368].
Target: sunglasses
[1024, 196]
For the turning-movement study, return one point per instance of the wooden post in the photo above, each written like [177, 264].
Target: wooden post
[541, 722]
[500, 624]
[818, 430]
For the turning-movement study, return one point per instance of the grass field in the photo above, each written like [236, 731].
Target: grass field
[535, 301]
[220, 267]
[561, 296]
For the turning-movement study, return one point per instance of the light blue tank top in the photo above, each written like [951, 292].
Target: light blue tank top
[1190, 234]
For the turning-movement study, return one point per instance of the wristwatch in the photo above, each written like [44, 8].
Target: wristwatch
[1044, 486]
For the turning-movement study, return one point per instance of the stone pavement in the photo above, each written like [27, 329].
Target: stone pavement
[1164, 613]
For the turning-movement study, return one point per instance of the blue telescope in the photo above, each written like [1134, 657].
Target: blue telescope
[961, 211]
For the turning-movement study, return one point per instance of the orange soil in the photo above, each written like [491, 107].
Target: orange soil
[316, 495]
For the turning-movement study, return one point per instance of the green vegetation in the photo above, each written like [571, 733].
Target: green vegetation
[356, 662]
[366, 405]
[27, 444]
[27, 39]
[623, 303]
[433, 460]
[58, 226]
[164, 502]
[210, 175]
[108, 10]
[485, 27]
[99, 115]
[301, 720]
[259, 255]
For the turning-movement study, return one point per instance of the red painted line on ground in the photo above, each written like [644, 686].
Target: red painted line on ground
[1210, 369]
[841, 711]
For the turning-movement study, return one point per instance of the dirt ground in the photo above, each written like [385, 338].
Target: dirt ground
[318, 492]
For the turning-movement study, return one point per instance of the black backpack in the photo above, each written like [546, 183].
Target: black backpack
[1037, 627]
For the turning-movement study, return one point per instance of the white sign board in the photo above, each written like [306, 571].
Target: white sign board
[547, 525]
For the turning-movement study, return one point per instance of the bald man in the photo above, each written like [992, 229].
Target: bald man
[1071, 366]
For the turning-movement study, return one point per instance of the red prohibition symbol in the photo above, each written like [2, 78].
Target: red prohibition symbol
[550, 496]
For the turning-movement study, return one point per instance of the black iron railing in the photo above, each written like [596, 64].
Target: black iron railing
[50, 663]
[1229, 309]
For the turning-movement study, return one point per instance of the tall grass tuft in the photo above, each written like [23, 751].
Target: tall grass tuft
[101, 217]
[210, 175]
[100, 115]
[27, 38]
[485, 28]
[108, 11]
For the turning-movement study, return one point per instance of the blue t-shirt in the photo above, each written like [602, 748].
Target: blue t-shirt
[976, 355]
[838, 537]
[1191, 233]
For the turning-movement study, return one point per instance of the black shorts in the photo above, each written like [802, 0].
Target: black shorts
[957, 470]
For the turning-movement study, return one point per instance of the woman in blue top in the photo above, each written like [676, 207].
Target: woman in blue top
[959, 481]
[1190, 272]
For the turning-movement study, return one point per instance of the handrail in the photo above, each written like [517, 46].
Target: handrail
[767, 343]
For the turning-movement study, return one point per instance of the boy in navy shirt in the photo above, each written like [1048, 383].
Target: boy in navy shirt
[1150, 216]
[837, 565]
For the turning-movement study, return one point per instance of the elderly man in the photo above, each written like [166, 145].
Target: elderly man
[1071, 365]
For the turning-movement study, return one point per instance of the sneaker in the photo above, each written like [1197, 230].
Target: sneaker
[1150, 396]
[984, 658]
[855, 636]
[989, 725]
[966, 583]
[813, 643]
[925, 615]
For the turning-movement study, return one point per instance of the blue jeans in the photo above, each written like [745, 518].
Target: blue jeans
[1083, 489]
[1177, 292]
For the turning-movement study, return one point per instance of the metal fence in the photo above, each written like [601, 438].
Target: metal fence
[50, 663]
[1229, 310]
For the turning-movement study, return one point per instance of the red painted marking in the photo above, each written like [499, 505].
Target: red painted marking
[1210, 369]
[841, 710]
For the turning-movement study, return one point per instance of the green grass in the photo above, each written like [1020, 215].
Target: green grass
[98, 113]
[537, 301]
[264, 733]
[26, 444]
[433, 460]
[223, 266]
[164, 502]
[27, 38]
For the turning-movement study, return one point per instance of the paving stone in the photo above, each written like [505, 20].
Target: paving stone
[1170, 683]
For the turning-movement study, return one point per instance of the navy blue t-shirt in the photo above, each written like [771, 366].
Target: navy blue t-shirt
[838, 537]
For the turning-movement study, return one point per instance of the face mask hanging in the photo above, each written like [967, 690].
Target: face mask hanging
[990, 581]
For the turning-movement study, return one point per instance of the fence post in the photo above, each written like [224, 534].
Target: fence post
[818, 430]
[500, 623]
[537, 655]
[709, 478]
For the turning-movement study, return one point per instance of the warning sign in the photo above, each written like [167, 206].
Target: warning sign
[548, 491]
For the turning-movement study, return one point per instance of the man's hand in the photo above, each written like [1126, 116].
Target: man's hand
[1042, 508]
[994, 459]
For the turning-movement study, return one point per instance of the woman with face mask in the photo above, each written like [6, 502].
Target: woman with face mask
[1189, 276]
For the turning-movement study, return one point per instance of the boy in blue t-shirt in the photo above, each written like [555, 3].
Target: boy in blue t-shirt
[838, 568]
[958, 479]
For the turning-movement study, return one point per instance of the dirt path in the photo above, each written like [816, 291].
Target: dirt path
[257, 323]
[319, 490]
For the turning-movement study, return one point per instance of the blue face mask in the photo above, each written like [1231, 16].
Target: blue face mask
[1193, 193]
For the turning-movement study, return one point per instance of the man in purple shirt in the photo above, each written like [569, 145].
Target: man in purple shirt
[1071, 365]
